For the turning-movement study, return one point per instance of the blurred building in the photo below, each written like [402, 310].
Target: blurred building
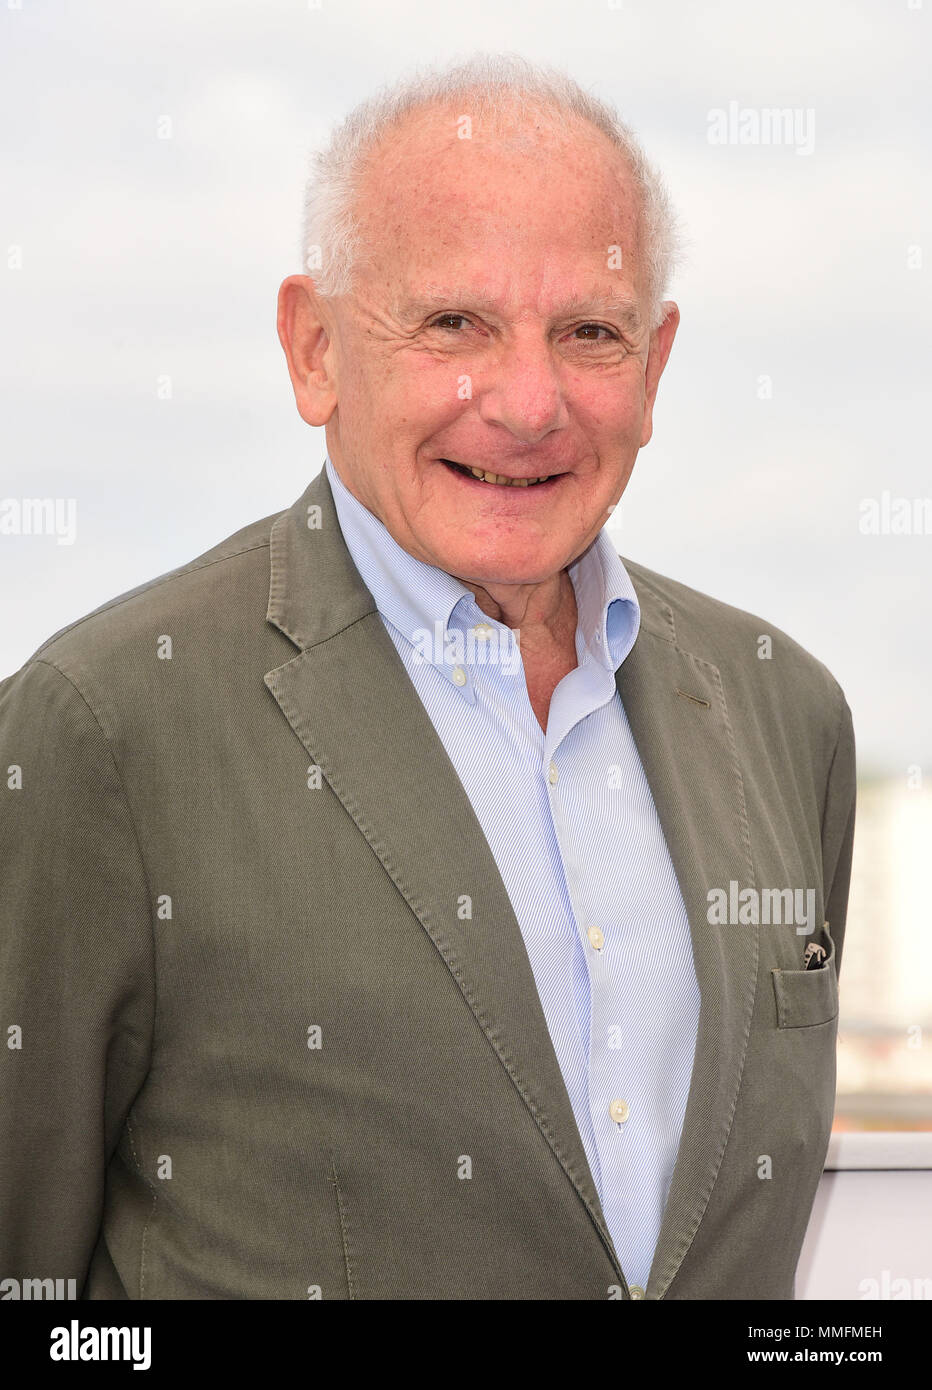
[885, 1025]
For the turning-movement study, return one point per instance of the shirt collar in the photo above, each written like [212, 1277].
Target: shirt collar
[414, 596]
[609, 614]
[411, 594]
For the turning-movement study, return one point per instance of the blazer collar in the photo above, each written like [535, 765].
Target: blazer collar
[348, 698]
[315, 590]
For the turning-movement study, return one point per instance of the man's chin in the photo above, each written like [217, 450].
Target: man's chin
[503, 571]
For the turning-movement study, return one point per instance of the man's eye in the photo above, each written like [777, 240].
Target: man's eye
[586, 332]
[591, 329]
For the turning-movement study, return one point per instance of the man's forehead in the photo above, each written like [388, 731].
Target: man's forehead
[563, 227]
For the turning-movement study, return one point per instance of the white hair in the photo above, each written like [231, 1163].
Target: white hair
[331, 238]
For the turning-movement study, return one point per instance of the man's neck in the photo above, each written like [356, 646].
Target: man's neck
[544, 614]
[545, 618]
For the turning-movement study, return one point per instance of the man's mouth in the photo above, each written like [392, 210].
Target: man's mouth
[482, 475]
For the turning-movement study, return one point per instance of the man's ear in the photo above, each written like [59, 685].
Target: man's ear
[661, 341]
[305, 337]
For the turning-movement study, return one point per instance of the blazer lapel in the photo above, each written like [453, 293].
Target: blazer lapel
[676, 708]
[350, 701]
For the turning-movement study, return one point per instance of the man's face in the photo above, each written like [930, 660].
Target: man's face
[498, 322]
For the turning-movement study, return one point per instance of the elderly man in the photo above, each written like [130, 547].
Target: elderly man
[408, 898]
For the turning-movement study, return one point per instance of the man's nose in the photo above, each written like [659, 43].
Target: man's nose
[523, 392]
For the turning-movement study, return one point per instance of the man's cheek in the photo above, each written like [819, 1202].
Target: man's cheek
[428, 402]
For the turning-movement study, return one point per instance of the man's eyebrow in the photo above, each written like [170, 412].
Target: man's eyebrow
[618, 307]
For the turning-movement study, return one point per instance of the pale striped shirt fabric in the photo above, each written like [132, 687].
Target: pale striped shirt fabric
[570, 820]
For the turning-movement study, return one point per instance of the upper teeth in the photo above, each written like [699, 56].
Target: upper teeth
[503, 481]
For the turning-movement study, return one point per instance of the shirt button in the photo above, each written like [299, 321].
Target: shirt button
[619, 1111]
[553, 775]
[459, 675]
[483, 630]
[635, 1291]
[596, 939]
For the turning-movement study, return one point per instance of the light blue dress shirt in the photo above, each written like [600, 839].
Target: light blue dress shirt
[570, 820]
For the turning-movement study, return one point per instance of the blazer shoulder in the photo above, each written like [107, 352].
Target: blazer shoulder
[753, 653]
[214, 588]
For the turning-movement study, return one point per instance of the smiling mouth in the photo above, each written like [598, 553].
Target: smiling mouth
[481, 475]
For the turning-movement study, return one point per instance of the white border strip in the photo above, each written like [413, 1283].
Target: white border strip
[903, 1149]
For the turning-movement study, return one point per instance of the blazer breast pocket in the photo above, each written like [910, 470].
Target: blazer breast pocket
[806, 998]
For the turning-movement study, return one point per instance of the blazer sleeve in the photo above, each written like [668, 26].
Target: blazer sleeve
[76, 973]
[838, 830]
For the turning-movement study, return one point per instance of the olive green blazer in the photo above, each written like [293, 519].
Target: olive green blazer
[252, 1051]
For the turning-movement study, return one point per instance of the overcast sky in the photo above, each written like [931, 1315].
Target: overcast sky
[129, 258]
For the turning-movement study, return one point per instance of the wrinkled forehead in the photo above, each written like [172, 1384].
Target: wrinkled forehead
[515, 194]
